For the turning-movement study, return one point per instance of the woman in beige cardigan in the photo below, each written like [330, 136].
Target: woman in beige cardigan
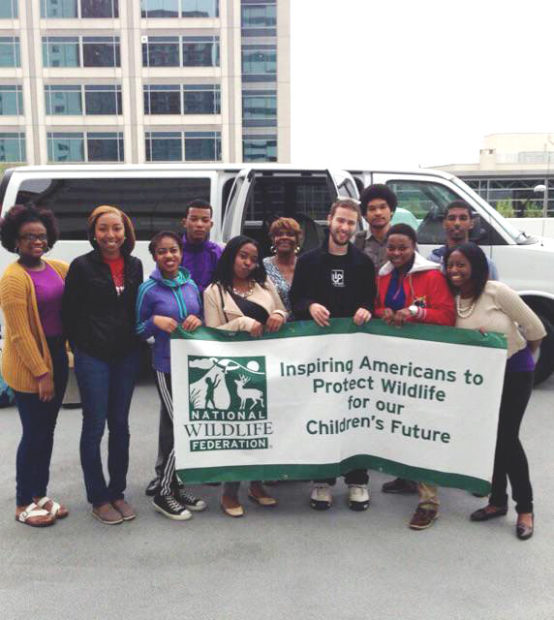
[34, 361]
[242, 298]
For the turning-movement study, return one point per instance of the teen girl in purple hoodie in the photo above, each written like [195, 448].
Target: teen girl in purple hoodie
[168, 298]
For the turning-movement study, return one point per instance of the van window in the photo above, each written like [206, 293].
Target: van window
[427, 202]
[306, 198]
[153, 204]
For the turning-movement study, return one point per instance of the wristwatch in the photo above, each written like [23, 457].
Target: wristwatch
[413, 310]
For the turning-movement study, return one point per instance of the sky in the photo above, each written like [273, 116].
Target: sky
[420, 83]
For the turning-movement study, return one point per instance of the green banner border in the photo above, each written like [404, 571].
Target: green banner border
[332, 470]
[413, 331]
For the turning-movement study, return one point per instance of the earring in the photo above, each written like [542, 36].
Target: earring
[297, 249]
[273, 250]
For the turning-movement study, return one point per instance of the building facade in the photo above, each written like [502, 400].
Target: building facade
[515, 173]
[137, 81]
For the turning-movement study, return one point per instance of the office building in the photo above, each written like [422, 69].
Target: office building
[144, 80]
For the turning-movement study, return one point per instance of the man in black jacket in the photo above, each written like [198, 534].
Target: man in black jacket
[336, 280]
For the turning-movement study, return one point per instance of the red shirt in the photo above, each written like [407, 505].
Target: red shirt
[117, 268]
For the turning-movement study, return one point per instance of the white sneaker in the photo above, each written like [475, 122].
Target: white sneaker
[321, 498]
[358, 497]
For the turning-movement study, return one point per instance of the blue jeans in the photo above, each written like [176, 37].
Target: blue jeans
[38, 420]
[106, 391]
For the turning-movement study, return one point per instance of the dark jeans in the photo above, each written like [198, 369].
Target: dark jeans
[510, 461]
[38, 420]
[356, 476]
[106, 391]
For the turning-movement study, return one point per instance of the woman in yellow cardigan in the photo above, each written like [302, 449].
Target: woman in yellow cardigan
[34, 361]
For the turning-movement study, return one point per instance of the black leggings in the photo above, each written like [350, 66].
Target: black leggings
[510, 461]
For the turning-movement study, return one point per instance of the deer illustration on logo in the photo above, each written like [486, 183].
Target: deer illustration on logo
[246, 394]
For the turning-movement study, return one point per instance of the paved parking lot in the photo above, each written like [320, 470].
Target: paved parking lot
[287, 562]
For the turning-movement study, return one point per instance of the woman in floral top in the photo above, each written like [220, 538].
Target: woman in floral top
[285, 236]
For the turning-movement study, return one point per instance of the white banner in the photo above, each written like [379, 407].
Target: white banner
[421, 402]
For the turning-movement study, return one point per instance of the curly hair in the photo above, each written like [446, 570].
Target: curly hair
[152, 246]
[378, 190]
[18, 215]
[403, 229]
[224, 270]
[287, 224]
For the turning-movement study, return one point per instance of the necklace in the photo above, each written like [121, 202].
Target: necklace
[247, 293]
[466, 312]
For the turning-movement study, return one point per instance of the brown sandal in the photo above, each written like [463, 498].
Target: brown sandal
[34, 516]
[58, 511]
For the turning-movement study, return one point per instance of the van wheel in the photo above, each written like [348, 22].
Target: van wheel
[545, 361]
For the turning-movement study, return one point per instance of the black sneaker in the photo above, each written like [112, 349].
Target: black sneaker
[171, 508]
[400, 485]
[153, 487]
[189, 501]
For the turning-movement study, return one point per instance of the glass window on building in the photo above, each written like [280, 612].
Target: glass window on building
[66, 147]
[200, 8]
[102, 99]
[162, 99]
[202, 146]
[60, 51]
[63, 100]
[259, 18]
[11, 100]
[201, 51]
[12, 147]
[164, 146]
[259, 62]
[259, 148]
[160, 8]
[58, 8]
[9, 52]
[101, 52]
[100, 8]
[105, 147]
[202, 99]
[160, 52]
[259, 108]
[8, 9]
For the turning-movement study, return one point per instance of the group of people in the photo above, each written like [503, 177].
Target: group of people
[102, 307]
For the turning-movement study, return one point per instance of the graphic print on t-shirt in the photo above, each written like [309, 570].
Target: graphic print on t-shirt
[337, 277]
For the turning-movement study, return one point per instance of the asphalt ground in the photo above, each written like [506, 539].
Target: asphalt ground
[286, 562]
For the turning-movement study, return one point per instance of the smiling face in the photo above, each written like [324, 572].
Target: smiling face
[458, 271]
[284, 241]
[457, 225]
[197, 224]
[32, 240]
[378, 214]
[342, 225]
[109, 233]
[168, 255]
[246, 261]
[400, 250]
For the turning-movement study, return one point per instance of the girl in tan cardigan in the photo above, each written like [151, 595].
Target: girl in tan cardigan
[242, 298]
[34, 361]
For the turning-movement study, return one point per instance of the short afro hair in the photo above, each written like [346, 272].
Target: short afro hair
[378, 190]
[18, 215]
[198, 203]
[403, 229]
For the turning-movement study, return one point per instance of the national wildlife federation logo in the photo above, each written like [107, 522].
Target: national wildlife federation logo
[227, 404]
[230, 389]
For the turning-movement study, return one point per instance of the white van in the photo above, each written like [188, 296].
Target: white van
[524, 262]
[246, 198]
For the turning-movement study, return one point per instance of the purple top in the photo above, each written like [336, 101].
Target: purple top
[49, 287]
[522, 361]
[200, 259]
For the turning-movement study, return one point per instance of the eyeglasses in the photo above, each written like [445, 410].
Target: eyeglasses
[33, 237]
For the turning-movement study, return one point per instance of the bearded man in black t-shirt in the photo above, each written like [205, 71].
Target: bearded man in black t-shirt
[336, 280]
